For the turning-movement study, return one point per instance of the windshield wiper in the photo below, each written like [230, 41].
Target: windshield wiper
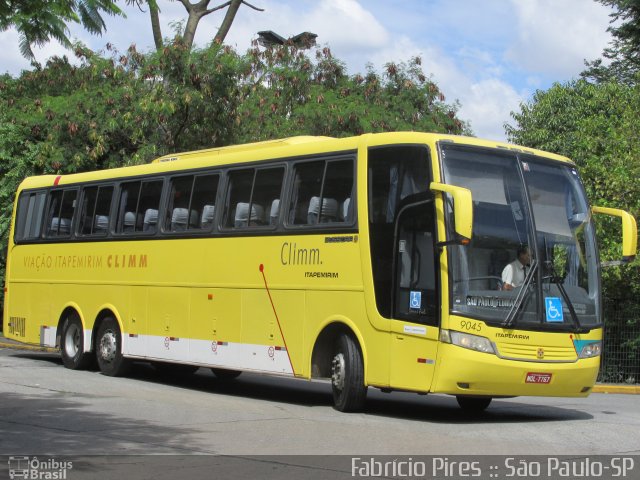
[510, 321]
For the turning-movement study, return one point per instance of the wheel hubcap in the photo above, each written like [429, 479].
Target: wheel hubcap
[72, 341]
[337, 371]
[108, 346]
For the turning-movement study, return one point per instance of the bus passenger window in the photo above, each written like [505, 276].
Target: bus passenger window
[322, 192]
[62, 204]
[137, 202]
[29, 215]
[94, 214]
[203, 200]
[192, 202]
[252, 194]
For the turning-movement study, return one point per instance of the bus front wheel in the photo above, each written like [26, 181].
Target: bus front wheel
[347, 376]
[473, 404]
[109, 349]
[72, 344]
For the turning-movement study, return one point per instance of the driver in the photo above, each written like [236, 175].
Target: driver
[514, 273]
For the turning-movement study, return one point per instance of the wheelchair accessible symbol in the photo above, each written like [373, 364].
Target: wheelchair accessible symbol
[553, 306]
[415, 300]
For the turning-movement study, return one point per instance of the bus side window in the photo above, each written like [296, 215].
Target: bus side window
[307, 185]
[137, 201]
[29, 216]
[62, 204]
[253, 197]
[94, 214]
[192, 202]
[203, 200]
[129, 193]
[178, 208]
[149, 205]
[322, 192]
[266, 192]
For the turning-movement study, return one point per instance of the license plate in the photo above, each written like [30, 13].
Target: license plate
[533, 377]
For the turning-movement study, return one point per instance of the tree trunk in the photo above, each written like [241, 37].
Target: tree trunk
[155, 25]
[228, 20]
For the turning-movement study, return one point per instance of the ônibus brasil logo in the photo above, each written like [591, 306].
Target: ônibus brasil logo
[36, 469]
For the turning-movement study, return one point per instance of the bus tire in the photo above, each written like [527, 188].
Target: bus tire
[347, 376]
[109, 349]
[473, 404]
[72, 344]
[224, 374]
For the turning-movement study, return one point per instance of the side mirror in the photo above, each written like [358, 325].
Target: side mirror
[462, 209]
[629, 230]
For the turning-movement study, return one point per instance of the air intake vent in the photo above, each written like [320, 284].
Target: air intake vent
[17, 326]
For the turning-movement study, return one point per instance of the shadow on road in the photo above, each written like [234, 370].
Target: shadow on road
[404, 406]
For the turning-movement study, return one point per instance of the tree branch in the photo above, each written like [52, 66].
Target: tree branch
[253, 6]
[155, 25]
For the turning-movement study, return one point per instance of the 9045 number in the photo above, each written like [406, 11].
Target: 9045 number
[470, 326]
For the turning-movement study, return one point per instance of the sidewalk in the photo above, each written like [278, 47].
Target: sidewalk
[9, 343]
[598, 388]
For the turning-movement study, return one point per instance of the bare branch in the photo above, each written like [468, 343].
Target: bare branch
[253, 6]
[219, 7]
[226, 4]
[187, 5]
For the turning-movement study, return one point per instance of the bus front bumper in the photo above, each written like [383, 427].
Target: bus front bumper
[466, 372]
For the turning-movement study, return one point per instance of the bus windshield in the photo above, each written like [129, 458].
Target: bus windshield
[532, 261]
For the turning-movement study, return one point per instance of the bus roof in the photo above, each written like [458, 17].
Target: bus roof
[273, 149]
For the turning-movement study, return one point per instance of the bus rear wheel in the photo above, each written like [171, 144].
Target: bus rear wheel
[347, 376]
[473, 404]
[109, 349]
[72, 344]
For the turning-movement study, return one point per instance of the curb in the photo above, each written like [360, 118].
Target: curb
[31, 348]
[626, 389]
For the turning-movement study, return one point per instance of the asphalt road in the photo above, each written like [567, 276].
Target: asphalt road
[47, 409]
[80, 424]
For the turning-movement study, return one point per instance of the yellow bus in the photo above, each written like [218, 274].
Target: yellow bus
[383, 260]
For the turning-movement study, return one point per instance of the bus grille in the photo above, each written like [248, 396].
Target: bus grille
[529, 353]
[17, 326]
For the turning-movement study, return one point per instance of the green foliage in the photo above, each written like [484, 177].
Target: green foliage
[128, 108]
[596, 126]
[39, 21]
[624, 50]
[286, 93]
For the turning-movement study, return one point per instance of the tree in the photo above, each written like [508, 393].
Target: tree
[286, 93]
[624, 50]
[39, 21]
[197, 11]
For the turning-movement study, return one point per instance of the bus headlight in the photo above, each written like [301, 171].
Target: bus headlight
[466, 340]
[591, 349]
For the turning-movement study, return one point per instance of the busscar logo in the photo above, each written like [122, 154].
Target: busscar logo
[36, 469]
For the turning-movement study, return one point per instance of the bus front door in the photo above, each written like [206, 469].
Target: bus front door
[414, 328]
